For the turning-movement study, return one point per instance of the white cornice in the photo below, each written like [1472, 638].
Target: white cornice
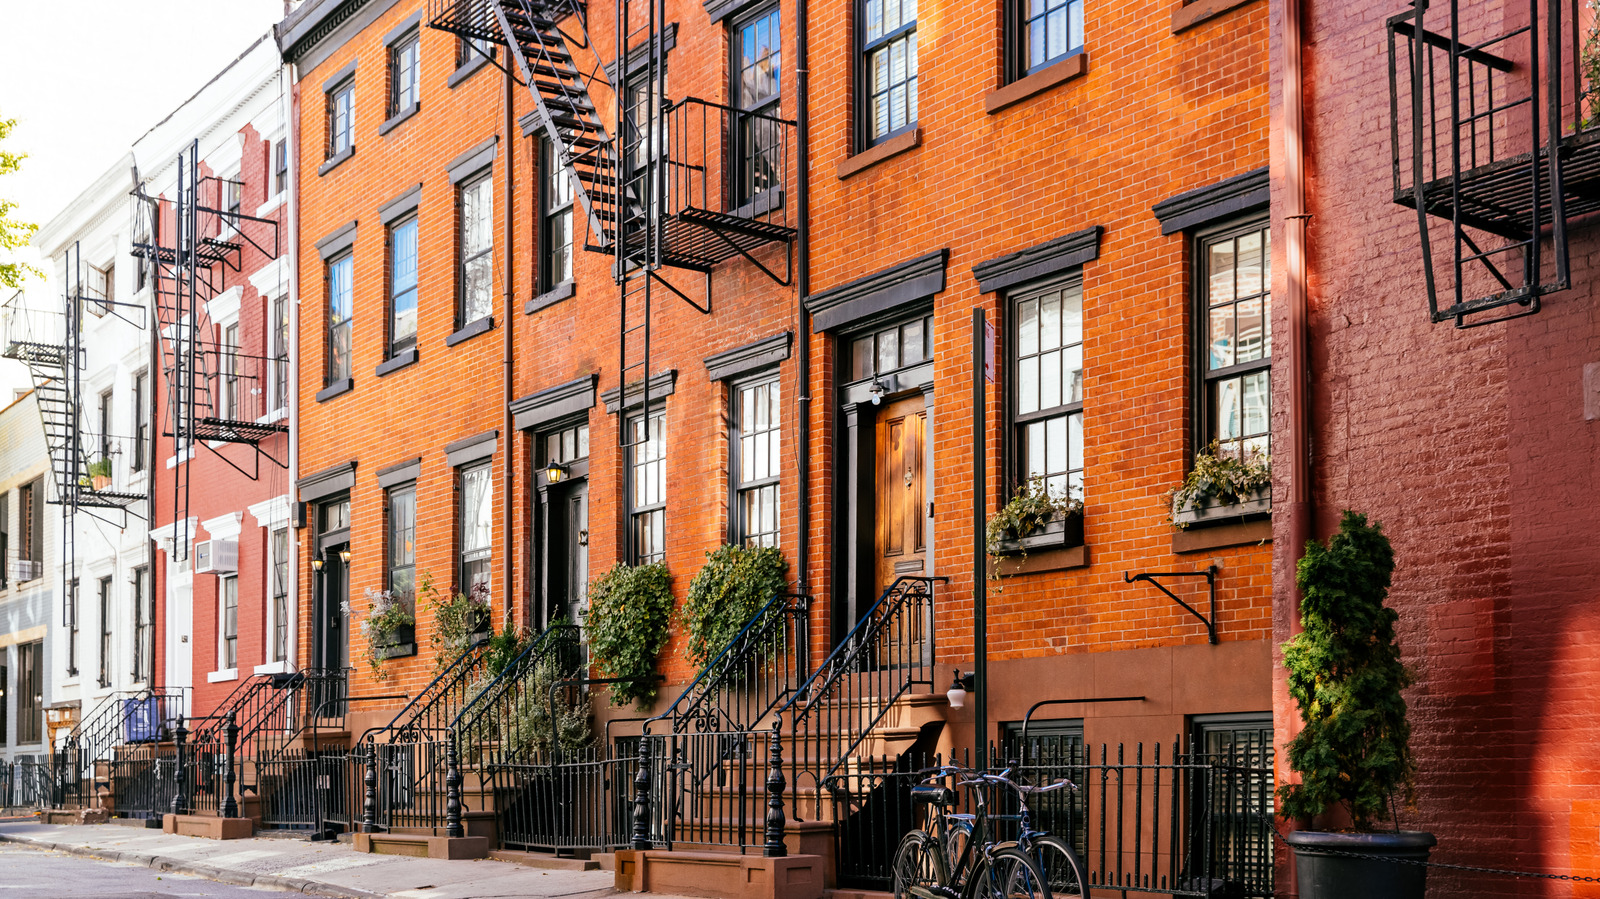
[224, 527]
[88, 210]
[167, 532]
[271, 513]
[224, 309]
[272, 279]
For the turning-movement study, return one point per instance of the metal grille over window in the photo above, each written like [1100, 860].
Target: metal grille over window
[404, 67]
[280, 594]
[403, 286]
[557, 224]
[402, 542]
[1054, 31]
[341, 118]
[1048, 411]
[759, 62]
[477, 249]
[648, 493]
[759, 412]
[339, 305]
[477, 526]
[891, 63]
[1238, 340]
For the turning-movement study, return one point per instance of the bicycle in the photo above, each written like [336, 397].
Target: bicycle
[936, 865]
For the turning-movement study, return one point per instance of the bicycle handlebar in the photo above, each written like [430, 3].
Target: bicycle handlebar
[971, 777]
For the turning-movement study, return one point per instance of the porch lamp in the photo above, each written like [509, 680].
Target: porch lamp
[957, 694]
[878, 389]
[554, 473]
[344, 556]
[316, 564]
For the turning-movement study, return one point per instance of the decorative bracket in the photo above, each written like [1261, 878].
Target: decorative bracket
[1209, 573]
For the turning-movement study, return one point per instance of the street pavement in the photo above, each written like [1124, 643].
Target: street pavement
[75, 860]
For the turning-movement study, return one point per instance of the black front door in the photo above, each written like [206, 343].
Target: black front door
[566, 551]
[331, 642]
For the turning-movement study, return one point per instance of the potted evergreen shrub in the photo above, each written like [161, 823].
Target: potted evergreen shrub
[1036, 517]
[1223, 487]
[1354, 753]
[99, 472]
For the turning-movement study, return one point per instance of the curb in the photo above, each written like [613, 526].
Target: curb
[180, 866]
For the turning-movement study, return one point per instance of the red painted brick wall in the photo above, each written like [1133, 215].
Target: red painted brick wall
[1471, 448]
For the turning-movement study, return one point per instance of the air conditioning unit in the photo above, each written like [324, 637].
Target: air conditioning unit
[216, 557]
[26, 569]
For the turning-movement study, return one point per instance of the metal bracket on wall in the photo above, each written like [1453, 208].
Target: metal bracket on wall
[1209, 573]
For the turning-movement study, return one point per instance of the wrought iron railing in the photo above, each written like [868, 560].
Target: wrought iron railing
[25, 782]
[831, 718]
[144, 780]
[121, 718]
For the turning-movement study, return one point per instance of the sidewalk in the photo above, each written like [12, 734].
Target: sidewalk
[318, 869]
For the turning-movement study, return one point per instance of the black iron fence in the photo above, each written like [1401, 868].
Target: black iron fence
[25, 782]
[144, 779]
[1143, 820]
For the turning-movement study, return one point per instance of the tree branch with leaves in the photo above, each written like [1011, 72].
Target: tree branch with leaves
[14, 234]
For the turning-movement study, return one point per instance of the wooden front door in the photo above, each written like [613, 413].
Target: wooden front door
[900, 527]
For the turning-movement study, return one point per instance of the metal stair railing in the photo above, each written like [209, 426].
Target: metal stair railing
[120, 718]
[831, 716]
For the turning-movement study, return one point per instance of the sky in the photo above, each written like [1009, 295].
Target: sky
[85, 79]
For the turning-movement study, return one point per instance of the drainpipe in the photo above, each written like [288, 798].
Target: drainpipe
[1295, 222]
[507, 478]
[294, 346]
[802, 290]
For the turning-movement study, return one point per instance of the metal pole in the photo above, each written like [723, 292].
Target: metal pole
[980, 584]
[230, 806]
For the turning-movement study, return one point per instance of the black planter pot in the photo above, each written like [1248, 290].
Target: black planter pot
[1322, 874]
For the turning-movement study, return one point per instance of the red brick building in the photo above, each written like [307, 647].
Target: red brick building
[1464, 422]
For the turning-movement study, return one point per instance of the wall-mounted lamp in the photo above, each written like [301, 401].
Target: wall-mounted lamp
[344, 556]
[957, 694]
[878, 389]
[554, 473]
[316, 564]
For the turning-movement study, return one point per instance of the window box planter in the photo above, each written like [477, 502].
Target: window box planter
[1059, 532]
[396, 650]
[1215, 510]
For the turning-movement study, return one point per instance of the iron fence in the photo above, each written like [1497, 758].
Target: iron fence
[25, 782]
[1194, 825]
[577, 801]
[144, 780]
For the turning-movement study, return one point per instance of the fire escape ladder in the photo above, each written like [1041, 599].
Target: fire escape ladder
[1495, 145]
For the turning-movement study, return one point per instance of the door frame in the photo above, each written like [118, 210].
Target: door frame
[576, 473]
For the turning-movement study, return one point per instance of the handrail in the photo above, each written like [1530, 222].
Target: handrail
[442, 686]
[549, 641]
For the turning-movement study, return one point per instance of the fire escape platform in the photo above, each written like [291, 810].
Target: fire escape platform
[107, 499]
[36, 353]
[223, 430]
[1498, 198]
[700, 238]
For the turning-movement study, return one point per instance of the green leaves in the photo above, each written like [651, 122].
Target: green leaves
[734, 584]
[13, 234]
[630, 613]
[1346, 675]
[1224, 477]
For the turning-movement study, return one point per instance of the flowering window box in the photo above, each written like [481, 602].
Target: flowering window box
[1214, 510]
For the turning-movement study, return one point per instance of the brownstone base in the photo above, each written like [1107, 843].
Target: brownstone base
[75, 816]
[419, 846]
[720, 875]
[209, 827]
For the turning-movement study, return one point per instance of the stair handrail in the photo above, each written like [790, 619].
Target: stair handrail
[410, 719]
[306, 717]
[554, 639]
[726, 670]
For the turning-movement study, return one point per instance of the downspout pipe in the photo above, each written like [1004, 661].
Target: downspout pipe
[508, 479]
[291, 72]
[1295, 227]
[802, 291]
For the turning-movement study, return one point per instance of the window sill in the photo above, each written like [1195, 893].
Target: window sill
[462, 73]
[397, 361]
[554, 295]
[763, 203]
[894, 146]
[341, 386]
[273, 416]
[272, 668]
[271, 206]
[470, 330]
[394, 121]
[1063, 559]
[1024, 88]
[1237, 533]
[1188, 15]
[217, 677]
[333, 161]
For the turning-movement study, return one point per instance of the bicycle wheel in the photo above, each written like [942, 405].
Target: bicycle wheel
[918, 867]
[956, 839]
[1007, 874]
[1060, 866]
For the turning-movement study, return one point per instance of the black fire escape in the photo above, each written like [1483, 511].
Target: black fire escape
[217, 395]
[1496, 146]
[690, 183]
[51, 344]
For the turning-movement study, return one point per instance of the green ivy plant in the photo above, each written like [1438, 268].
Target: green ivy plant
[734, 584]
[630, 616]
[456, 619]
[1224, 477]
[1033, 506]
[1345, 674]
[386, 616]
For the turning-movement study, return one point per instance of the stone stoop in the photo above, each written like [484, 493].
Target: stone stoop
[421, 846]
[543, 860]
[209, 827]
[75, 816]
[719, 875]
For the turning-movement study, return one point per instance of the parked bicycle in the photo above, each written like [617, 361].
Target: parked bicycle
[958, 857]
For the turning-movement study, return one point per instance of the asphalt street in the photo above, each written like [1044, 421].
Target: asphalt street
[34, 874]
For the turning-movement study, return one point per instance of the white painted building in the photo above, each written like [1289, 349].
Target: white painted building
[29, 579]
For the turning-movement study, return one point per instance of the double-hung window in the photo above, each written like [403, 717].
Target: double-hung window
[341, 118]
[30, 684]
[757, 88]
[555, 221]
[228, 623]
[105, 425]
[1047, 388]
[403, 542]
[404, 73]
[280, 594]
[30, 505]
[647, 488]
[757, 427]
[1236, 341]
[5, 542]
[70, 613]
[230, 372]
[105, 632]
[143, 624]
[475, 199]
[470, 49]
[340, 301]
[141, 421]
[888, 68]
[475, 526]
[280, 166]
[280, 352]
[402, 285]
[1048, 31]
